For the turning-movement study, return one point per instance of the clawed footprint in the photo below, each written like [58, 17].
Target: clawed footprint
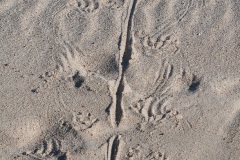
[70, 61]
[168, 43]
[86, 6]
[152, 109]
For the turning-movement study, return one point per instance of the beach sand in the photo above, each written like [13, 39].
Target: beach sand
[120, 79]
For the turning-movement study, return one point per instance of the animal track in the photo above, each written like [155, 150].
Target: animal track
[155, 45]
[159, 36]
[134, 153]
[69, 68]
[114, 4]
[155, 106]
[140, 154]
[163, 80]
[191, 81]
[153, 110]
[83, 121]
[87, 6]
[54, 145]
[47, 149]
[168, 44]
[72, 67]
[116, 108]
[70, 63]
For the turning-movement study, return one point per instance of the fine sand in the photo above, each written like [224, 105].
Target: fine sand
[120, 80]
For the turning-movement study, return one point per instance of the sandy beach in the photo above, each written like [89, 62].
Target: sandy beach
[120, 80]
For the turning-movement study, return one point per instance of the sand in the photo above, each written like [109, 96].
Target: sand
[120, 79]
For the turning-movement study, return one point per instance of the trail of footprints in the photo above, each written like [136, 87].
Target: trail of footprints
[153, 108]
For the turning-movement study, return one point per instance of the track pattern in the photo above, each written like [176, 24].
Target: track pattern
[153, 108]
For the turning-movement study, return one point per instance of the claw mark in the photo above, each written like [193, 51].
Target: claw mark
[70, 62]
[48, 148]
[163, 77]
[71, 66]
[125, 44]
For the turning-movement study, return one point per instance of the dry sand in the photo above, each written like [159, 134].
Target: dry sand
[120, 79]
